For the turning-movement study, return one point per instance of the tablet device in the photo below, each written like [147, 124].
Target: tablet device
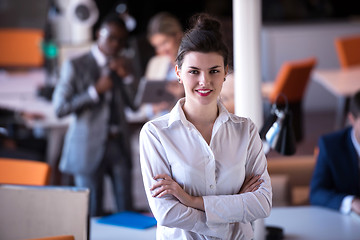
[152, 92]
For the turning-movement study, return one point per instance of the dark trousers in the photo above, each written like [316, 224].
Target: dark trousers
[117, 165]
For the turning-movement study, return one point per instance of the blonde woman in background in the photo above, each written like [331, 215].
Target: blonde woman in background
[164, 34]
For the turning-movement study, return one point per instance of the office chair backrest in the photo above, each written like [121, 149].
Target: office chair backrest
[348, 50]
[24, 172]
[292, 80]
[21, 47]
[63, 237]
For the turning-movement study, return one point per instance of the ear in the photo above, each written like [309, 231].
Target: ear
[97, 34]
[177, 70]
[226, 70]
[351, 118]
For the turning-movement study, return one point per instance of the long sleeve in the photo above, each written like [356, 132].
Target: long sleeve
[214, 171]
[67, 98]
[323, 188]
[168, 211]
[249, 206]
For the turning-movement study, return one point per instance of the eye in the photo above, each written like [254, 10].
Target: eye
[193, 71]
[214, 71]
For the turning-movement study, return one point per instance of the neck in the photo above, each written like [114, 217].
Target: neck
[201, 114]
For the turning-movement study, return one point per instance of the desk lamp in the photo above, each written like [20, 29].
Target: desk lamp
[277, 132]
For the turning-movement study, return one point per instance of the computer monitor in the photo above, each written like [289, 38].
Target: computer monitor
[24, 13]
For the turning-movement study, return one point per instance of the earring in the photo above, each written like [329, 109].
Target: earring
[179, 80]
[224, 79]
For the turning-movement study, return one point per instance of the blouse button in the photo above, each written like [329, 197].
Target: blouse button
[211, 186]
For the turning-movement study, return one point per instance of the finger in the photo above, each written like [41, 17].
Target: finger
[251, 185]
[158, 192]
[163, 176]
[254, 178]
[250, 180]
[256, 185]
[165, 192]
[159, 184]
[255, 188]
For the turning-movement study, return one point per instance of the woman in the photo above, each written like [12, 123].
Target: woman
[204, 169]
[164, 34]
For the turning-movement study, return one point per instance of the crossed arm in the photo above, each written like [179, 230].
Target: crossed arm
[166, 185]
[208, 215]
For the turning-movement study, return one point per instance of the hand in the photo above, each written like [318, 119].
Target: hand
[159, 107]
[166, 185]
[251, 184]
[103, 84]
[121, 66]
[32, 116]
[176, 89]
[355, 205]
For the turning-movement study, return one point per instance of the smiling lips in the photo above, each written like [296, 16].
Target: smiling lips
[204, 92]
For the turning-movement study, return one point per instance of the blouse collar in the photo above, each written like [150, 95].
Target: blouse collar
[177, 114]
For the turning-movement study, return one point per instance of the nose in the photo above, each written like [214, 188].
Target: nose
[202, 80]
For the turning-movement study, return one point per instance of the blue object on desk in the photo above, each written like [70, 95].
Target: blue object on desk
[129, 219]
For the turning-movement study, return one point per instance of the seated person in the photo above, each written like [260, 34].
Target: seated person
[335, 183]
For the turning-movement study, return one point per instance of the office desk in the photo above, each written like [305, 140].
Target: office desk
[342, 83]
[310, 222]
[18, 92]
[100, 231]
[300, 223]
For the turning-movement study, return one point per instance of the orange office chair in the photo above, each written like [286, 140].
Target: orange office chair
[24, 172]
[348, 50]
[291, 81]
[63, 237]
[21, 47]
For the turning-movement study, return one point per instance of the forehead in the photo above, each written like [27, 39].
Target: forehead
[203, 60]
[112, 29]
[159, 38]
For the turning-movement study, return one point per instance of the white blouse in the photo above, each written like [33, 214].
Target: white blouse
[172, 145]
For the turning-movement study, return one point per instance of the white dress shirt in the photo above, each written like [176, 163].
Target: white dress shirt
[172, 145]
[101, 61]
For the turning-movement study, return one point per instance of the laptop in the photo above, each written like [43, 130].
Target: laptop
[152, 92]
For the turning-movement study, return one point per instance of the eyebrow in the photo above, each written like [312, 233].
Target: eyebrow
[196, 68]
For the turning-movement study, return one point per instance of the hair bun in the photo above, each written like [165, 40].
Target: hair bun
[204, 36]
[205, 22]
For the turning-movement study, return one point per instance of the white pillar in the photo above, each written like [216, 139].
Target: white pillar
[247, 69]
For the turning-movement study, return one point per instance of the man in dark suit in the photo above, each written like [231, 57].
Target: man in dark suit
[95, 88]
[336, 179]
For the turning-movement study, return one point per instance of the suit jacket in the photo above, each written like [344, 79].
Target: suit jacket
[85, 140]
[336, 174]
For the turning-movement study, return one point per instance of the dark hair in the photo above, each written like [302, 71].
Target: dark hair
[164, 23]
[204, 36]
[113, 19]
[355, 104]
